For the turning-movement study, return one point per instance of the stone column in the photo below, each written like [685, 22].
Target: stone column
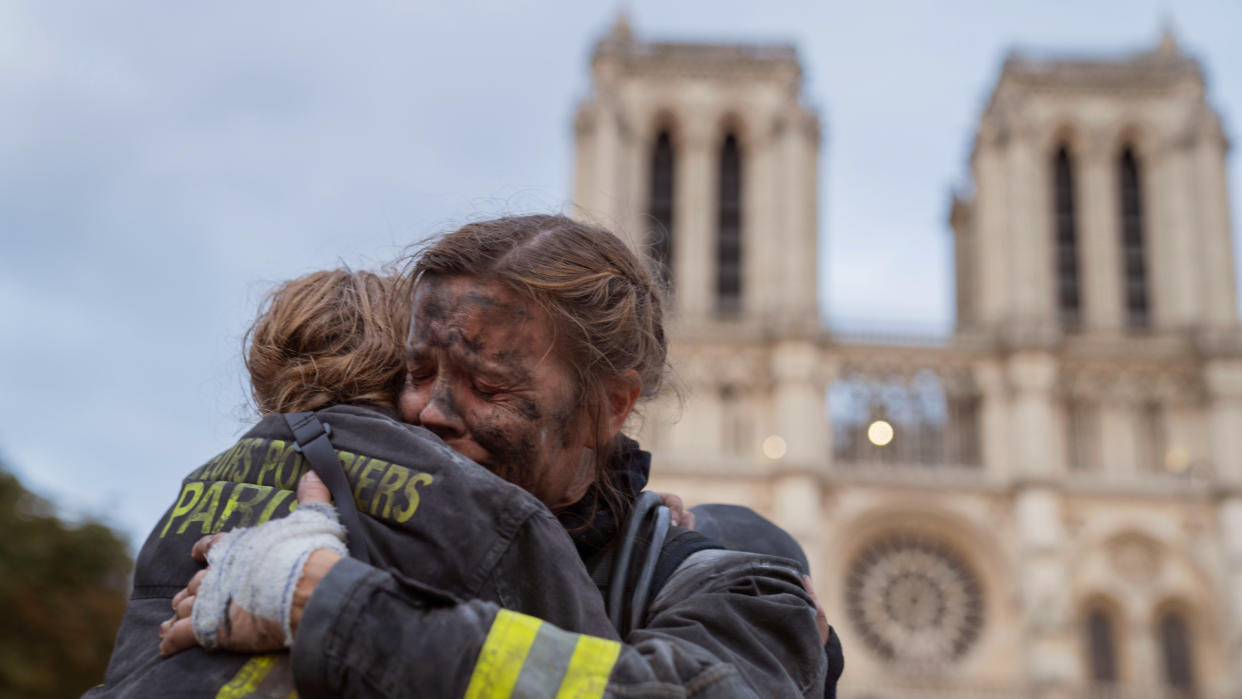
[762, 211]
[1229, 521]
[1030, 227]
[993, 419]
[798, 282]
[694, 212]
[827, 369]
[1143, 651]
[1223, 378]
[1035, 432]
[1183, 282]
[798, 403]
[1038, 458]
[1099, 235]
[698, 437]
[585, 129]
[607, 166]
[1118, 441]
[799, 399]
[1023, 248]
[634, 175]
[991, 258]
[1216, 250]
[1051, 654]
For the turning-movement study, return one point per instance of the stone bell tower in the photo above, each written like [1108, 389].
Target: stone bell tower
[1095, 253]
[704, 156]
[1100, 202]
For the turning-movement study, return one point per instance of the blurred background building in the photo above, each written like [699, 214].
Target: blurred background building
[1049, 502]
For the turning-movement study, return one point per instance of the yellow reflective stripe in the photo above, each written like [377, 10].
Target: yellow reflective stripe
[523, 657]
[249, 677]
[503, 654]
[589, 668]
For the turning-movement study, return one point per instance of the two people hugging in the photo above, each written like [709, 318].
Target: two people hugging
[498, 541]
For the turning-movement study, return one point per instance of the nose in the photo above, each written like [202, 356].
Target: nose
[440, 413]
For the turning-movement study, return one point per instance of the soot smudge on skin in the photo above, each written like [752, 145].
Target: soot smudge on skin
[529, 409]
[431, 309]
[478, 299]
[513, 456]
[562, 421]
[444, 400]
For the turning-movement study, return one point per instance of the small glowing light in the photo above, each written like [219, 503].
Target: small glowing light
[774, 447]
[880, 433]
[1176, 460]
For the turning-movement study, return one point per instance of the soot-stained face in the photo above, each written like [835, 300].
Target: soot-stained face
[483, 373]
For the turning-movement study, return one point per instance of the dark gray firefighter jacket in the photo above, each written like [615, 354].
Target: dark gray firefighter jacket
[482, 600]
[429, 513]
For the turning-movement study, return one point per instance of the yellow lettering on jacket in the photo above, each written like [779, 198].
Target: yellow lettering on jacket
[205, 512]
[242, 470]
[393, 479]
[348, 462]
[218, 499]
[281, 496]
[364, 480]
[290, 470]
[190, 493]
[282, 465]
[235, 503]
[411, 496]
[270, 460]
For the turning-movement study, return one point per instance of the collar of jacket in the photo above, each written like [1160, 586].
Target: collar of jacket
[591, 524]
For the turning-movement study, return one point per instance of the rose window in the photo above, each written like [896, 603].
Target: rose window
[914, 600]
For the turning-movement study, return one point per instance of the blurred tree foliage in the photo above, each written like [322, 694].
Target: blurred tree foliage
[62, 593]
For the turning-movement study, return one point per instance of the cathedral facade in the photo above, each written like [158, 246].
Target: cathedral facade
[1047, 503]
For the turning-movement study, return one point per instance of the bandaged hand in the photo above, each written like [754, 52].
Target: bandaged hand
[258, 579]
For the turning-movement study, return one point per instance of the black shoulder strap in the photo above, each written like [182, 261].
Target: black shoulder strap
[679, 546]
[312, 437]
[650, 550]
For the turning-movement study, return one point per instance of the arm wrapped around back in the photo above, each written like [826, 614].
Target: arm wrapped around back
[727, 624]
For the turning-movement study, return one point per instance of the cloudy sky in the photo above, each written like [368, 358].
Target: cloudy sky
[164, 163]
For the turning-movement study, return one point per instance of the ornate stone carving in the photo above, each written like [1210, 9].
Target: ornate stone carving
[914, 601]
[1131, 382]
[1134, 557]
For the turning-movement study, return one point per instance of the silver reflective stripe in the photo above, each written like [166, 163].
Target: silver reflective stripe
[546, 662]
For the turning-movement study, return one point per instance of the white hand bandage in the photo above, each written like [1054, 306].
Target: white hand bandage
[257, 568]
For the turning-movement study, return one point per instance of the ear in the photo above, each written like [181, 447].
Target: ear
[621, 393]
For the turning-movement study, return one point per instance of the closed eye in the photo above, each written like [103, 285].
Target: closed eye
[485, 390]
[417, 376]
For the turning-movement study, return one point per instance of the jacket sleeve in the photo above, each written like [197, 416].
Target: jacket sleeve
[718, 629]
[568, 598]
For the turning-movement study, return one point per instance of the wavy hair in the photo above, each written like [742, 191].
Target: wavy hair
[606, 306]
[327, 338]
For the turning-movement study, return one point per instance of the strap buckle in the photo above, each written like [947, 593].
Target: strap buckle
[327, 431]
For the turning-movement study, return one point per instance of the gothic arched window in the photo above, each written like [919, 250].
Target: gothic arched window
[1101, 647]
[729, 231]
[1068, 292]
[1133, 258]
[660, 205]
[1176, 652]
